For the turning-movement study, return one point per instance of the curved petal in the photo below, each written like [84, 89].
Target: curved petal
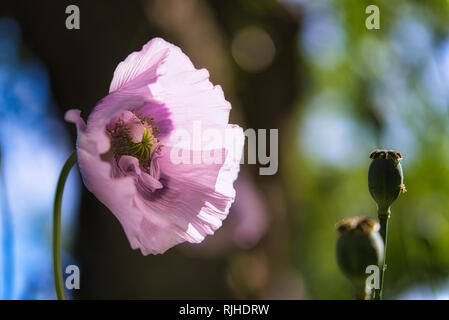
[115, 193]
[196, 200]
[187, 209]
[129, 165]
[171, 79]
[145, 65]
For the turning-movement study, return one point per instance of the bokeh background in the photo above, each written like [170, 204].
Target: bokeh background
[311, 69]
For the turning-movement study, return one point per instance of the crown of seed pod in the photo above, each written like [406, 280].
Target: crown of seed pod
[385, 178]
[359, 246]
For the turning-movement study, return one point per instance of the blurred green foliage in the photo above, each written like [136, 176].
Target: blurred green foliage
[389, 85]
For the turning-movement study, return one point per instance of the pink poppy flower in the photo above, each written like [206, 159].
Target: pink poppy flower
[126, 150]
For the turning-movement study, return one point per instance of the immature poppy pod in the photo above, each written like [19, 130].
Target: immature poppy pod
[385, 178]
[359, 246]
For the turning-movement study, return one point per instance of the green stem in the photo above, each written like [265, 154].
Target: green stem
[57, 268]
[384, 217]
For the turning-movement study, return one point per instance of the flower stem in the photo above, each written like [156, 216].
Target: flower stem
[57, 268]
[384, 217]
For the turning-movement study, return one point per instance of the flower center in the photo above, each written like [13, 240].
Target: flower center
[141, 150]
[134, 135]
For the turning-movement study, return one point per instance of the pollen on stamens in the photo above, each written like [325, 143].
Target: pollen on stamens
[123, 143]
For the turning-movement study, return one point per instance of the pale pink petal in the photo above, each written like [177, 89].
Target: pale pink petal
[173, 81]
[197, 200]
[150, 182]
[116, 193]
[147, 62]
[130, 165]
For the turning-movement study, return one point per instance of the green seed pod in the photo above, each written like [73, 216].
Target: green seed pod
[359, 246]
[385, 178]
